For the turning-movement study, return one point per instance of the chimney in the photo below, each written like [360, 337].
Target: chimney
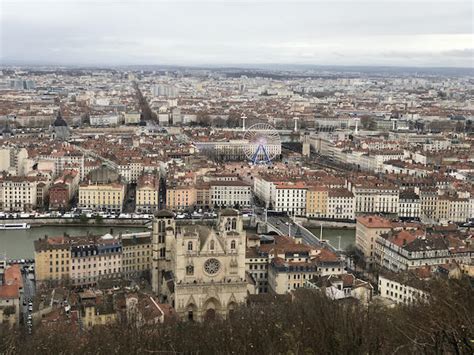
[370, 219]
[404, 242]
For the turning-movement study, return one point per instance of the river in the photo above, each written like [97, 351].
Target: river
[18, 244]
[332, 235]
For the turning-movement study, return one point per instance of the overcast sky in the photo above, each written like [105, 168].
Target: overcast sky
[337, 32]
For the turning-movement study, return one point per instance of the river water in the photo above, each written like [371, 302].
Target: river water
[19, 244]
[332, 235]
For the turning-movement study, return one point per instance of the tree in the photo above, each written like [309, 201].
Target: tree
[468, 126]
[203, 119]
[368, 122]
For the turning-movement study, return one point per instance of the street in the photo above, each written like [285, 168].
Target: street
[28, 295]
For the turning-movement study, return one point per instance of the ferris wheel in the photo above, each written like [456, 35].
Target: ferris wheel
[263, 143]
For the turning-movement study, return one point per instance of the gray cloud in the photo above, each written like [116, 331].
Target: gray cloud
[224, 32]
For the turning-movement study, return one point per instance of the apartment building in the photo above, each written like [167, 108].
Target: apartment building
[180, 196]
[340, 204]
[280, 264]
[264, 189]
[147, 193]
[21, 193]
[136, 254]
[63, 159]
[96, 309]
[401, 250]
[63, 190]
[52, 259]
[375, 198]
[230, 194]
[409, 205]
[95, 258]
[203, 195]
[452, 209]
[102, 197]
[316, 201]
[428, 203]
[401, 289]
[290, 197]
[368, 228]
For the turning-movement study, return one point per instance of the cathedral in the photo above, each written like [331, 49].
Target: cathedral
[199, 269]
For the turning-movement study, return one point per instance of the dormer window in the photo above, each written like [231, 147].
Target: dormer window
[190, 246]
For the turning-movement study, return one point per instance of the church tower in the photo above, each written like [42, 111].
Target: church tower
[163, 230]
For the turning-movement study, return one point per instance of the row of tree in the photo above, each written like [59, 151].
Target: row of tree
[310, 324]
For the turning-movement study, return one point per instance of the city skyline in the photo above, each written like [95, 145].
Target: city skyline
[210, 33]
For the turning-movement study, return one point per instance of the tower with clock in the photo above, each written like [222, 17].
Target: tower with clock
[200, 269]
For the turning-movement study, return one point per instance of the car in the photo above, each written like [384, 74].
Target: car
[30, 317]
[24, 303]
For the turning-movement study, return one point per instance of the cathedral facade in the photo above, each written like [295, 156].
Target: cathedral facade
[199, 269]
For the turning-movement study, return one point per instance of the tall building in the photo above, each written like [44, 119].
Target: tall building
[368, 228]
[197, 269]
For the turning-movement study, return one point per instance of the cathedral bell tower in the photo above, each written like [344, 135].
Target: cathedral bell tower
[163, 228]
[230, 220]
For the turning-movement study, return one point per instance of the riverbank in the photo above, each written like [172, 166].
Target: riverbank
[313, 223]
[71, 222]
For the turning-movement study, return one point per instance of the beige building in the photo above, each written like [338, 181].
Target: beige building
[368, 228]
[132, 117]
[197, 269]
[94, 259]
[147, 193]
[21, 193]
[136, 254]
[203, 195]
[97, 309]
[452, 209]
[180, 197]
[103, 197]
[52, 259]
[316, 201]
[281, 264]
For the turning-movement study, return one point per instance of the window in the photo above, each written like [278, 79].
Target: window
[232, 244]
[189, 270]
[212, 245]
[190, 246]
